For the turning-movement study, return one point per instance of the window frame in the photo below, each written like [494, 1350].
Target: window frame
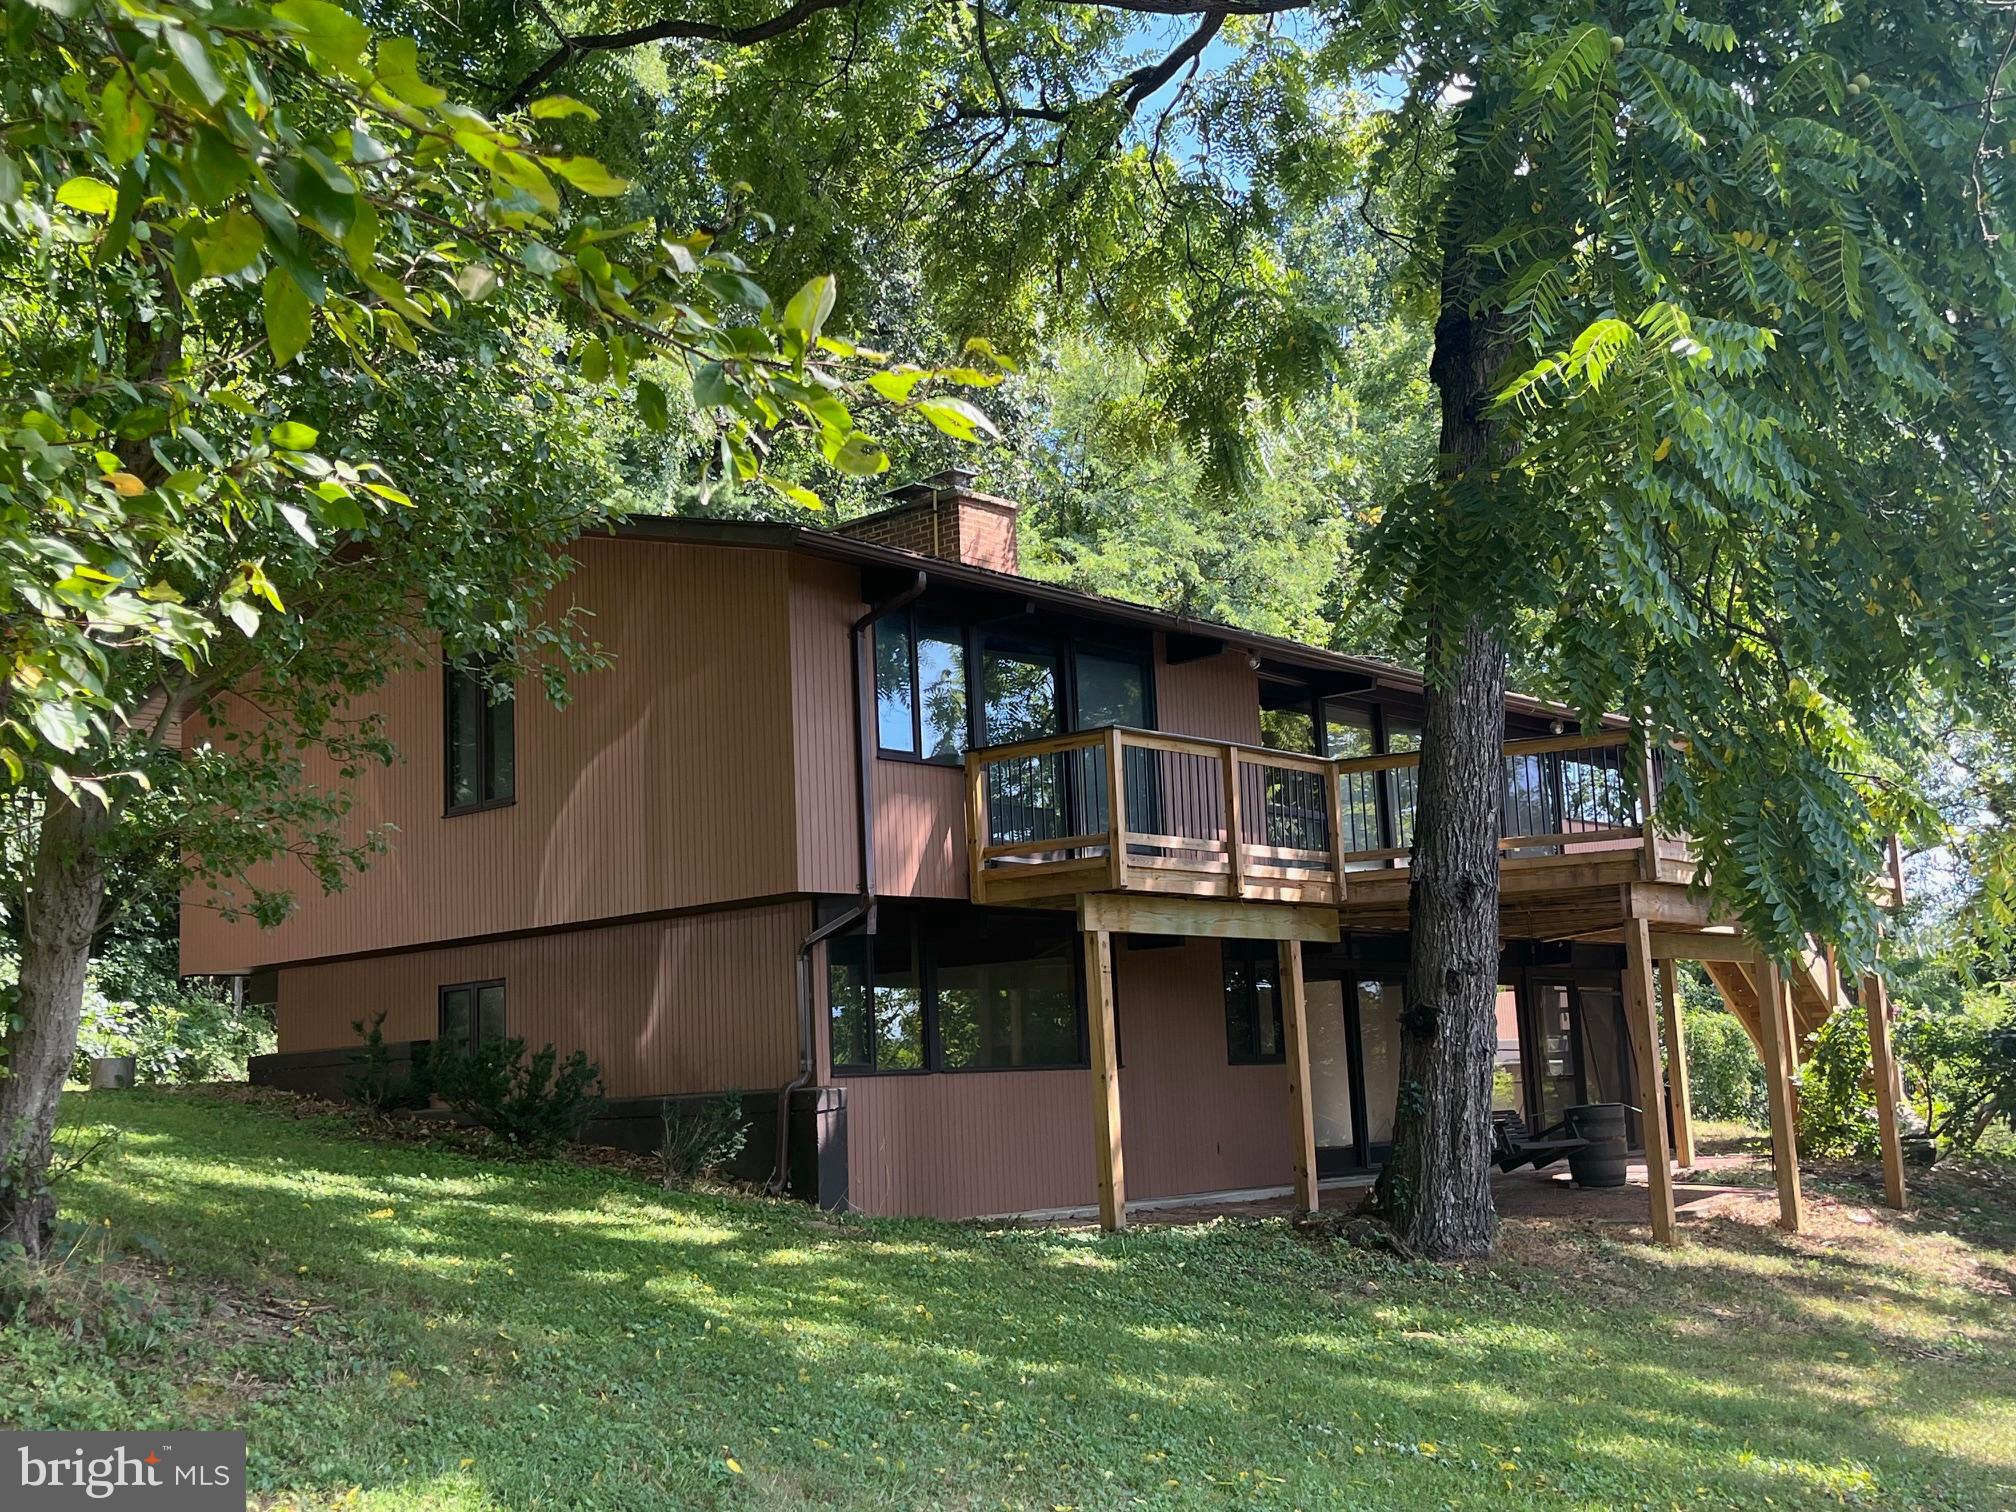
[1062, 645]
[454, 669]
[475, 989]
[1247, 952]
[947, 628]
[924, 951]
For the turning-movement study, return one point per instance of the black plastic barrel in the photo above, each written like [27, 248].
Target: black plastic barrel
[1602, 1163]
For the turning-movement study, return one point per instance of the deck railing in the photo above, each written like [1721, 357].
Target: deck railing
[1225, 820]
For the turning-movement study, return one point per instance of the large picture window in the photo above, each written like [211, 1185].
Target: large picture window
[1252, 1002]
[472, 1014]
[482, 739]
[975, 993]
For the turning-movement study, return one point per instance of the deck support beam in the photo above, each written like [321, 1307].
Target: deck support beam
[1774, 1017]
[1883, 1057]
[1105, 1080]
[1676, 1063]
[1644, 1025]
[1295, 1047]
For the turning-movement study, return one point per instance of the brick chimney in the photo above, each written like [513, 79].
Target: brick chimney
[945, 516]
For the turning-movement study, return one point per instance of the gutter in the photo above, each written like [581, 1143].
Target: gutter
[863, 907]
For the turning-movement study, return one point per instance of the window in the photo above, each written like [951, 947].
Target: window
[1288, 729]
[1252, 1002]
[920, 688]
[1019, 695]
[1006, 1000]
[472, 1014]
[481, 739]
[983, 992]
[1111, 688]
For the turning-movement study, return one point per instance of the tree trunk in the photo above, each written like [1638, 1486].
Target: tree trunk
[67, 888]
[1436, 1186]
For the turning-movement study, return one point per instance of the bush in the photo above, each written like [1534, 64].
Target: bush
[175, 1032]
[1837, 1107]
[535, 1102]
[1960, 1063]
[701, 1136]
[380, 1085]
[1725, 1074]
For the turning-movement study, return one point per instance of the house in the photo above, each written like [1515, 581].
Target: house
[987, 896]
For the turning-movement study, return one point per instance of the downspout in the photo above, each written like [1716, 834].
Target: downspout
[863, 907]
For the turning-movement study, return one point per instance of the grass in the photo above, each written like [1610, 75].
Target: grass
[406, 1326]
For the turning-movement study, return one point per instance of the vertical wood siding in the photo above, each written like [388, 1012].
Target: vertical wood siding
[698, 1003]
[1217, 698]
[958, 1146]
[825, 601]
[920, 830]
[667, 783]
[1191, 1122]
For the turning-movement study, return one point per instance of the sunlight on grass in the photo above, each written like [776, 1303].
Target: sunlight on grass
[438, 1331]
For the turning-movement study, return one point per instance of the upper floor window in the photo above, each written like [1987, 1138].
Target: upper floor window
[1109, 688]
[472, 1014]
[482, 738]
[920, 687]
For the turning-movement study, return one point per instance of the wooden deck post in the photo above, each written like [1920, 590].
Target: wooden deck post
[1676, 1063]
[1105, 1080]
[1644, 1022]
[1116, 810]
[1774, 1016]
[1882, 1055]
[1235, 844]
[1301, 1109]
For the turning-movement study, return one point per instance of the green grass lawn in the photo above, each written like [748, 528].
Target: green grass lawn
[400, 1325]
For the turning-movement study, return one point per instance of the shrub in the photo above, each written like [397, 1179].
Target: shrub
[1837, 1108]
[1725, 1075]
[536, 1102]
[380, 1085]
[701, 1136]
[175, 1033]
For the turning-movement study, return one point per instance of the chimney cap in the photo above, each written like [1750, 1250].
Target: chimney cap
[947, 480]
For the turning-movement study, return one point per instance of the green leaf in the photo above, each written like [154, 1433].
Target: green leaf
[193, 53]
[520, 172]
[61, 725]
[957, 418]
[292, 435]
[895, 384]
[90, 195]
[124, 117]
[587, 175]
[231, 244]
[245, 616]
[859, 457]
[328, 31]
[398, 74]
[651, 404]
[287, 317]
[806, 313]
[559, 107]
[476, 282]
[795, 493]
[711, 388]
[594, 361]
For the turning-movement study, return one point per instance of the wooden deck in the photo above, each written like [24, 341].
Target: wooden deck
[1136, 812]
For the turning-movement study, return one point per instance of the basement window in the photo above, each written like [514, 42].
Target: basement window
[472, 1014]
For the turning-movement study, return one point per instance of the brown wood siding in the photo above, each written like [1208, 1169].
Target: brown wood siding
[825, 601]
[1190, 1121]
[963, 1145]
[1217, 698]
[667, 783]
[958, 1146]
[920, 830]
[697, 1003]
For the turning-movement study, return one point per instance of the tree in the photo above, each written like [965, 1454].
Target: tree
[236, 244]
